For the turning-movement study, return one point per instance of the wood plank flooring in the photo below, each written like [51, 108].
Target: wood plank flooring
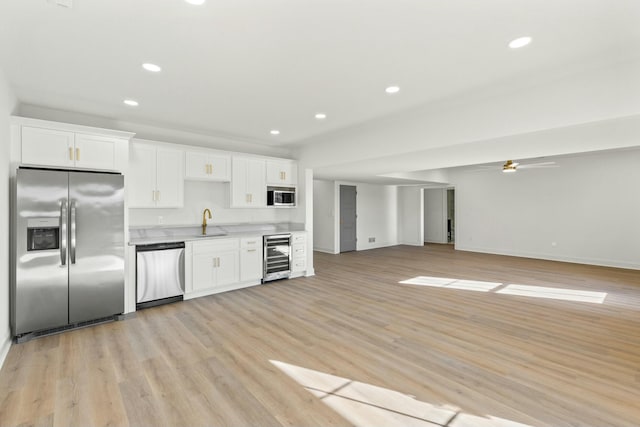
[352, 346]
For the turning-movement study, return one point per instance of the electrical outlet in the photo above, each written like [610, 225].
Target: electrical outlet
[372, 239]
[160, 220]
[554, 244]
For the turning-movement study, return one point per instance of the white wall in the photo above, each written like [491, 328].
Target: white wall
[410, 216]
[377, 210]
[199, 195]
[324, 216]
[588, 206]
[7, 105]
[435, 215]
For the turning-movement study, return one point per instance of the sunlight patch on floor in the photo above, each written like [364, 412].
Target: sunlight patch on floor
[511, 289]
[554, 293]
[364, 404]
[442, 282]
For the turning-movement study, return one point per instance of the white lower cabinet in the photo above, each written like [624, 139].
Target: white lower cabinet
[251, 259]
[215, 264]
[220, 265]
[298, 253]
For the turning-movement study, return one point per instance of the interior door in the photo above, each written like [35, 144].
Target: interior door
[41, 288]
[96, 245]
[347, 218]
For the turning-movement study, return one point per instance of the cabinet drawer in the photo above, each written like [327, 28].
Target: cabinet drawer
[215, 245]
[298, 238]
[299, 250]
[299, 264]
[251, 242]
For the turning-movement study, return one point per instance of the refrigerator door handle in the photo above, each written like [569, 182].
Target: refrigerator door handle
[72, 246]
[63, 233]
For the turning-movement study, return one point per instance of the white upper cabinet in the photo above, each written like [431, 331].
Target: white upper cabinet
[207, 166]
[282, 172]
[156, 177]
[51, 147]
[248, 186]
[95, 152]
[47, 147]
[63, 145]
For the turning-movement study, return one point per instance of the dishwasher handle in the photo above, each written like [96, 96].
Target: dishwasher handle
[159, 246]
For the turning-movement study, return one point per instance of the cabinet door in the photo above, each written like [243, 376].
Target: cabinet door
[203, 271]
[281, 173]
[169, 178]
[196, 165]
[256, 185]
[239, 194]
[250, 264]
[227, 269]
[219, 168]
[95, 152]
[141, 178]
[47, 147]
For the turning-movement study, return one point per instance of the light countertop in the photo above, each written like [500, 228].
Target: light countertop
[169, 234]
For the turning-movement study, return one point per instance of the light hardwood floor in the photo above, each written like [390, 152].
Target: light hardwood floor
[352, 346]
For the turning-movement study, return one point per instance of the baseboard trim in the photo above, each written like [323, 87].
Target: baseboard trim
[5, 346]
[326, 251]
[548, 257]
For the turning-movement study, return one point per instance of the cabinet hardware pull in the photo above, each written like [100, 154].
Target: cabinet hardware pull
[77, 154]
[251, 250]
[158, 195]
[70, 153]
[153, 195]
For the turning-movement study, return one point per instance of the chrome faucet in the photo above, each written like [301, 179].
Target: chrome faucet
[204, 220]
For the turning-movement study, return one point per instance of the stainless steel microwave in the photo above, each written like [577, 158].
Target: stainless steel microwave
[281, 196]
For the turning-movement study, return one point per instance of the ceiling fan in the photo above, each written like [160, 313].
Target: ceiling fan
[511, 167]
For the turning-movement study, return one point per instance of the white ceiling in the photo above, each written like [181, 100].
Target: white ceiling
[243, 67]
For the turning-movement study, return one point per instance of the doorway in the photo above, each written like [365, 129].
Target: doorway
[439, 215]
[348, 218]
[451, 212]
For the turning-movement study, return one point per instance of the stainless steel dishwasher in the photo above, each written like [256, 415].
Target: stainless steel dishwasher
[159, 274]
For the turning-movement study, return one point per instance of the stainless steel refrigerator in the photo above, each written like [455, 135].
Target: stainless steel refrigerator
[69, 248]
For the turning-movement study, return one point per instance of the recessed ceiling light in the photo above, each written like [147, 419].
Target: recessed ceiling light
[195, 2]
[321, 116]
[131, 102]
[151, 67]
[392, 89]
[519, 42]
[275, 132]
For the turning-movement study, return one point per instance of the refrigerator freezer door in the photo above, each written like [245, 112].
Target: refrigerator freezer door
[41, 285]
[96, 246]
